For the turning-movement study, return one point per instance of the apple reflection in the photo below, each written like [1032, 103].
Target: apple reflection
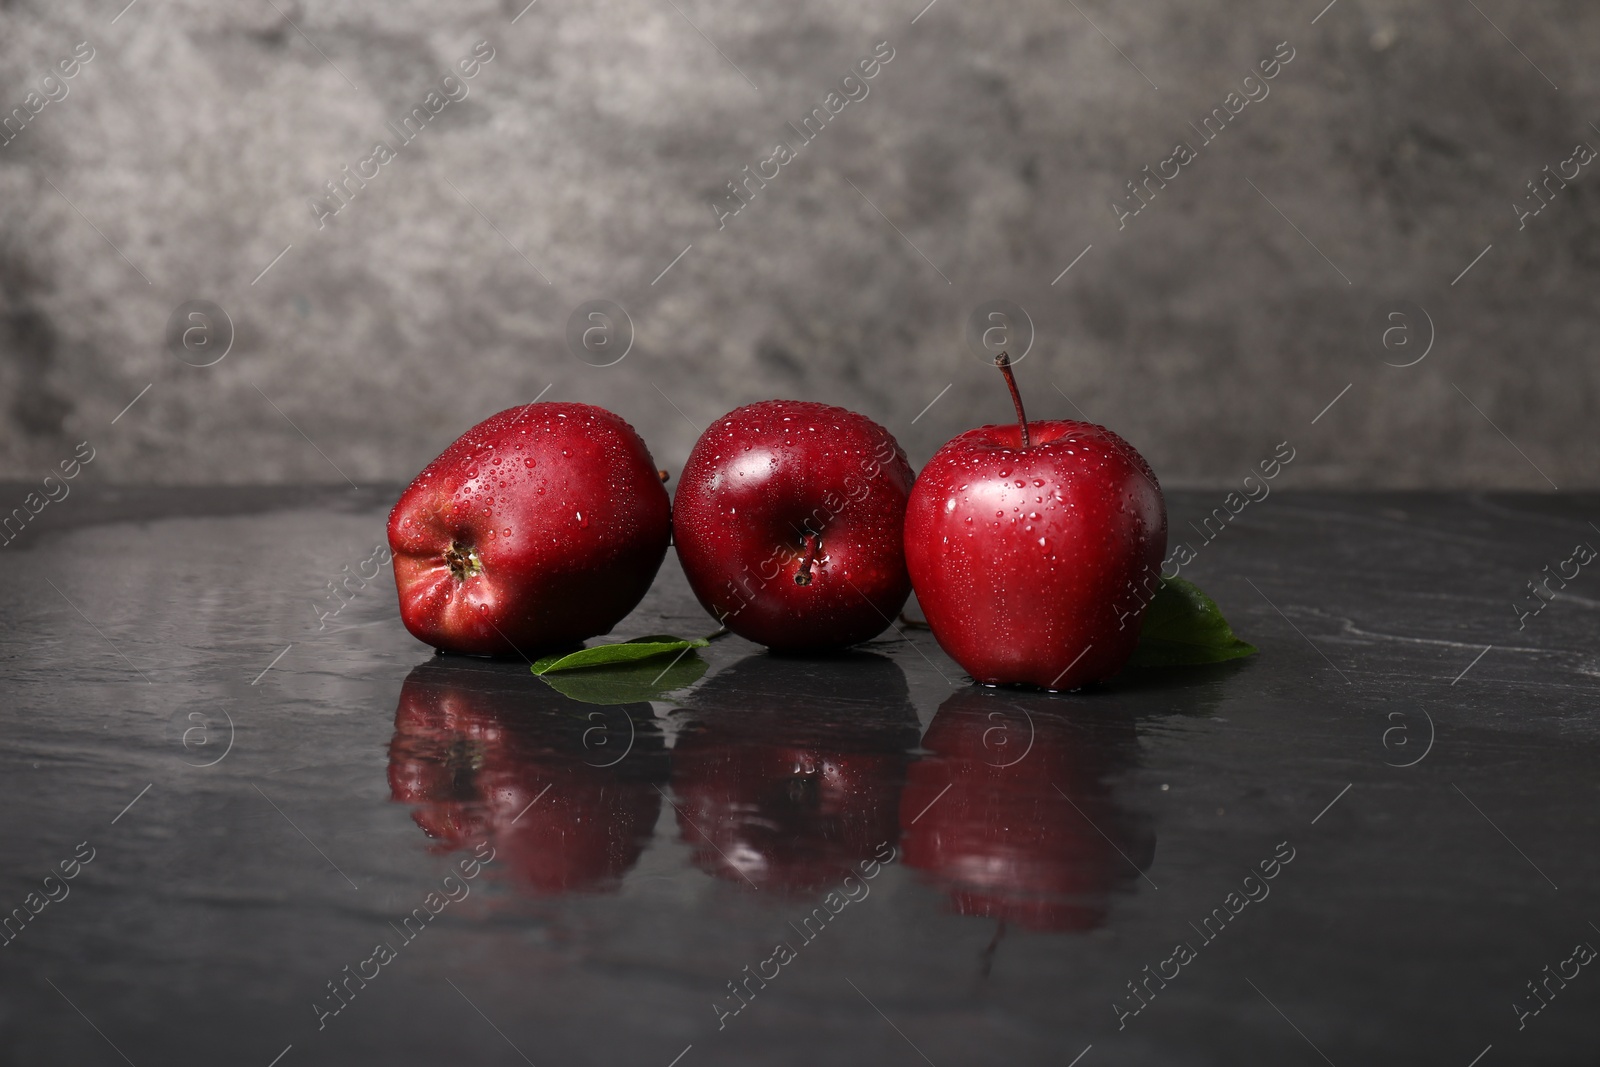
[566, 792]
[1012, 815]
[788, 772]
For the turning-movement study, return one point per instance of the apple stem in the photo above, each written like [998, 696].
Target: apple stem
[813, 546]
[1003, 361]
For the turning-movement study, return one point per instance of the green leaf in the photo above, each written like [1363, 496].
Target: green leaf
[629, 682]
[1184, 628]
[640, 648]
[646, 668]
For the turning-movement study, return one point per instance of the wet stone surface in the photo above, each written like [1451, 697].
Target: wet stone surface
[248, 816]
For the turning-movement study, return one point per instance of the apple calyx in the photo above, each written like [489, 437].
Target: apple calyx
[813, 545]
[1003, 361]
[463, 561]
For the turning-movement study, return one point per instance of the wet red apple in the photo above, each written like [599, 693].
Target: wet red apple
[788, 519]
[538, 528]
[1035, 548]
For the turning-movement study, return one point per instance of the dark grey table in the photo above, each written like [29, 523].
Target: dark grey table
[255, 791]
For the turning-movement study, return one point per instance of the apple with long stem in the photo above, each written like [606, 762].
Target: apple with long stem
[788, 520]
[1033, 549]
[538, 528]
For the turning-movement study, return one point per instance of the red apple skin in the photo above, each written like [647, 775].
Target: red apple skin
[556, 520]
[1022, 559]
[985, 815]
[759, 477]
[485, 753]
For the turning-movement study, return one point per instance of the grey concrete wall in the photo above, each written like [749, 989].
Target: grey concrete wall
[987, 155]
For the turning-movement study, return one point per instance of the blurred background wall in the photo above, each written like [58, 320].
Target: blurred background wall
[1383, 171]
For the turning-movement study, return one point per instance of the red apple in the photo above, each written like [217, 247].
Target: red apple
[538, 528]
[772, 792]
[1012, 815]
[1034, 549]
[565, 793]
[788, 519]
